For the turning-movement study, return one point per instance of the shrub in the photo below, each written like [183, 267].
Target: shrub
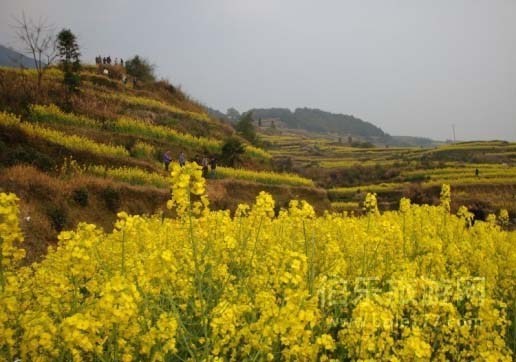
[111, 198]
[69, 168]
[58, 217]
[417, 178]
[28, 155]
[140, 68]
[245, 127]
[231, 151]
[43, 161]
[80, 196]
[417, 194]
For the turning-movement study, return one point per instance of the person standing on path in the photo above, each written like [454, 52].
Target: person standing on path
[204, 164]
[213, 166]
[167, 158]
[182, 159]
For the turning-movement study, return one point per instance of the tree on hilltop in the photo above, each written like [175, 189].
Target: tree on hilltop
[69, 59]
[140, 68]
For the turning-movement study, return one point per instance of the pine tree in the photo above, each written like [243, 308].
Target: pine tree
[69, 58]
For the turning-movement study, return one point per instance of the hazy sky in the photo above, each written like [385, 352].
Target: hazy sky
[412, 67]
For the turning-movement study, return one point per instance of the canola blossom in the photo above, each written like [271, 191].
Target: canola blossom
[257, 152]
[131, 175]
[266, 177]
[52, 114]
[71, 141]
[156, 104]
[138, 176]
[416, 284]
[143, 150]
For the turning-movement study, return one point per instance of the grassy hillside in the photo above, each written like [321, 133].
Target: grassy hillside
[85, 157]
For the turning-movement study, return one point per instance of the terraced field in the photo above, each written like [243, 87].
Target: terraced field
[392, 172]
[102, 149]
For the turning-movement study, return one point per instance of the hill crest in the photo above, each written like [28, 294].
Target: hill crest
[317, 120]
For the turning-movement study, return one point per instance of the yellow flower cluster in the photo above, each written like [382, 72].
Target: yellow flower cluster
[53, 115]
[52, 72]
[10, 236]
[156, 104]
[9, 119]
[345, 205]
[187, 181]
[341, 192]
[257, 152]
[491, 171]
[143, 150]
[131, 175]
[132, 126]
[265, 177]
[371, 204]
[138, 176]
[445, 197]
[70, 141]
[346, 192]
[10, 274]
[417, 284]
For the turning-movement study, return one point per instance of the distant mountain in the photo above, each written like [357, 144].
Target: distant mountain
[316, 120]
[12, 58]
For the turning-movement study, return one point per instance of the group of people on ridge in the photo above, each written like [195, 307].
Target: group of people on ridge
[99, 60]
[205, 162]
[102, 61]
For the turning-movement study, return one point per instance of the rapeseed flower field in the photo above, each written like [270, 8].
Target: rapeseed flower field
[416, 284]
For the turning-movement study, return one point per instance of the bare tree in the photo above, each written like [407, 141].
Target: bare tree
[40, 42]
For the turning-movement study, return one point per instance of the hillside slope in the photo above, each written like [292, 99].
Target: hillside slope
[86, 156]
